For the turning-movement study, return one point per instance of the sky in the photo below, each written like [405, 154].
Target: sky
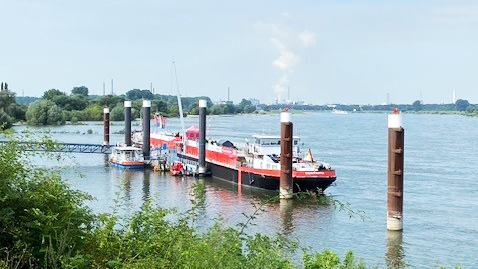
[349, 52]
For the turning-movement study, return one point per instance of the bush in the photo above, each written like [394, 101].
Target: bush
[6, 122]
[41, 218]
[45, 112]
[44, 223]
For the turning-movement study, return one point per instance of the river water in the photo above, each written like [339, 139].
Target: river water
[440, 200]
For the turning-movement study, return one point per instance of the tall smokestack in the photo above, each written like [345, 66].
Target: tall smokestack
[111, 86]
[228, 94]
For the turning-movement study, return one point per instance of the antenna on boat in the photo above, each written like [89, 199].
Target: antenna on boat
[179, 104]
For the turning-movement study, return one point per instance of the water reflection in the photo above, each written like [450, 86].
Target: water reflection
[286, 209]
[126, 184]
[106, 160]
[146, 184]
[395, 254]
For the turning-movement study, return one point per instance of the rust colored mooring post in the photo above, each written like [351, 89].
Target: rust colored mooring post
[106, 123]
[396, 137]
[286, 180]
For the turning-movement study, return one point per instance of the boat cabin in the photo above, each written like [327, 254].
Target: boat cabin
[270, 145]
[123, 155]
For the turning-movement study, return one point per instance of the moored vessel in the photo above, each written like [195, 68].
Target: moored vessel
[257, 163]
[127, 157]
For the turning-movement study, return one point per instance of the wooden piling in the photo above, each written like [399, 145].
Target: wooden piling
[127, 123]
[396, 137]
[286, 180]
[202, 137]
[146, 128]
[106, 123]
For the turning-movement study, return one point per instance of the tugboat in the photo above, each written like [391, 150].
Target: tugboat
[127, 157]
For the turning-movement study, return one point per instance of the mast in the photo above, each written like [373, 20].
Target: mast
[180, 106]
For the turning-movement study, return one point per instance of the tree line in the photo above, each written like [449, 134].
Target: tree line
[56, 107]
[460, 105]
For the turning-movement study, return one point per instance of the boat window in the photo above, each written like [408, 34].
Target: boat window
[296, 142]
[257, 141]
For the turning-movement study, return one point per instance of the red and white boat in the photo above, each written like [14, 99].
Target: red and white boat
[257, 163]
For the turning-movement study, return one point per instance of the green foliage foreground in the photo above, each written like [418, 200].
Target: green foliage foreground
[45, 224]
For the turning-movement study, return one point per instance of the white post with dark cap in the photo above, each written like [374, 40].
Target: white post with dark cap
[202, 137]
[106, 123]
[146, 128]
[127, 123]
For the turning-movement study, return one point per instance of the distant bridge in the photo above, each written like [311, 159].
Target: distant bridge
[65, 147]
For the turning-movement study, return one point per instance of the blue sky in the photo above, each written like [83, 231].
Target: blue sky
[324, 51]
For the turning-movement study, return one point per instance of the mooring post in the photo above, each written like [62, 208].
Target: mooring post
[127, 123]
[106, 123]
[286, 180]
[396, 135]
[146, 128]
[202, 137]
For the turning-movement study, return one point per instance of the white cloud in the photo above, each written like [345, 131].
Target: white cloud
[282, 85]
[287, 58]
[308, 38]
[288, 42]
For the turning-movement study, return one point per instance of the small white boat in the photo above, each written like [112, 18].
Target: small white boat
[341, 112]
[127, 157]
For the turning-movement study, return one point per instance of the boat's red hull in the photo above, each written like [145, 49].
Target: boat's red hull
[266, 178]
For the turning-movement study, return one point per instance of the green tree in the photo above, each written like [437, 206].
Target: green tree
[462, 105]
[110, 100]
[243, 104]
[93, 112]
[45, 112]
[17, 111]
[146, 94]
[249, 109]
[6, 121]
[80, 91]
[6, 99]
[417, 105]
[117, 113]
[134, 94]
[193, 109]
[216, 110]
[41, 217]
[159, 106]
[51, 94]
